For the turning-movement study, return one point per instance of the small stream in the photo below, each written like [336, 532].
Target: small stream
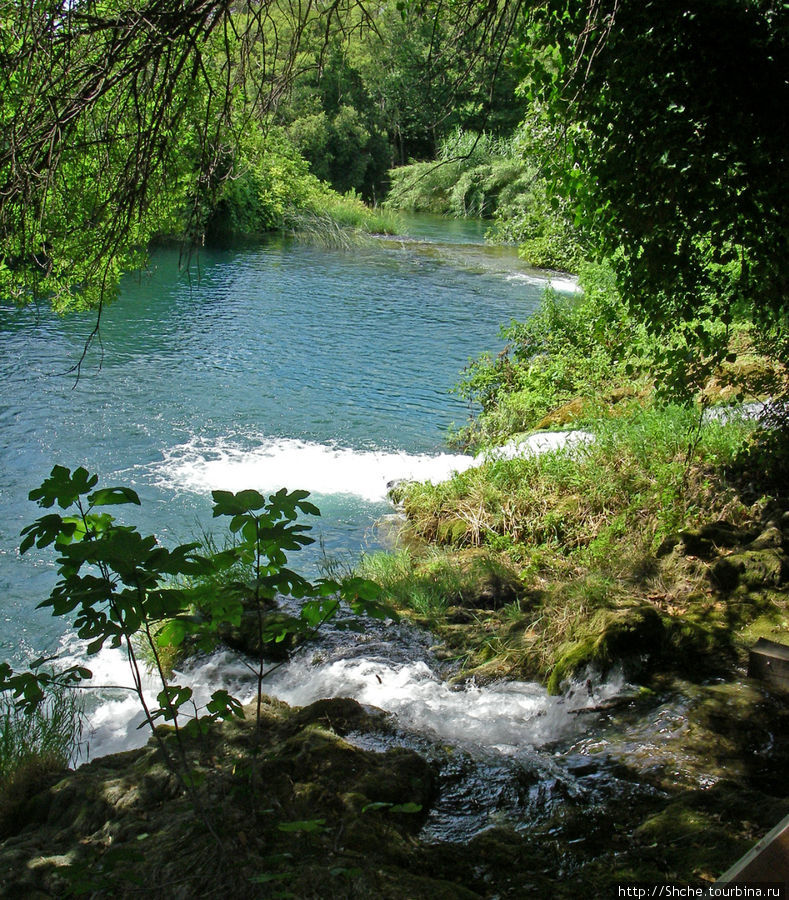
[506, 752]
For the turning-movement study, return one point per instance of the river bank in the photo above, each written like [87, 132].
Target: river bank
[631, 555]
[328, 802]
[666, 778]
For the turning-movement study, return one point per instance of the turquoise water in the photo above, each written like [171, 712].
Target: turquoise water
[260, 366]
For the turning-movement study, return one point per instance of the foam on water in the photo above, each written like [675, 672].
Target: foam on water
[503, 718]
[114, 718]
[266, 464]
[534, 444]
[564, 285]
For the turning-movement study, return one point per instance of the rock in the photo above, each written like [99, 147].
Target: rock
[756, 569]
[341, 715]
[293, 801]
[771, 537]
[564, 414]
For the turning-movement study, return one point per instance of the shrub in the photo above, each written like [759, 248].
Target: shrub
[574, 357]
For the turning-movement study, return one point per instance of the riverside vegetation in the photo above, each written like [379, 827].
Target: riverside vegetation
[660, 539]
[659, 545]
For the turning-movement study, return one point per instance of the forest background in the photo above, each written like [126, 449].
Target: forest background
[640, 145]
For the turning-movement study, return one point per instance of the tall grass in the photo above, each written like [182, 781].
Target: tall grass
[52, 733]
[635, 475]
[433, 579]
[342, 221]
[33, 745]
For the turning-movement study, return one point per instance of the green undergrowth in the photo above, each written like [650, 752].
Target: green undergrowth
[610, 553]
[603, 535]
[483, 176]
[645, 468]
[273, 189]
[578, 358]
[586, 357]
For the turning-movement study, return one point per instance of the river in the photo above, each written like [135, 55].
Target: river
[280, 364]
[267, 365]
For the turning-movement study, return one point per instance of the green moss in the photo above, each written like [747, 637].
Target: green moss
[700, 843]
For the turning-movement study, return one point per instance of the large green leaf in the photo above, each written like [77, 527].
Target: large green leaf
[113, 496]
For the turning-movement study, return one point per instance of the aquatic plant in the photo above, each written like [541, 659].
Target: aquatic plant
[34, 743]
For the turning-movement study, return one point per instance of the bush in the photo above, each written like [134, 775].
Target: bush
[273, 189]
[474, 175]
[574, 358]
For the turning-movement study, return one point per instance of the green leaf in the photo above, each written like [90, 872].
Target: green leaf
[268, 877]
[313, 612]
[172, 634]
[227, 503]
[224, 706]
[113, 496]
[308, 826]
[46, 531]
[170, 699]
[345, 872]
[392, 807]
[406, 808]
[378, 804]
[361, 589]
[62, 488]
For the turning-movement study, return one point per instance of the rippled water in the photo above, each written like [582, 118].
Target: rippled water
[281, 364]
[259, 366]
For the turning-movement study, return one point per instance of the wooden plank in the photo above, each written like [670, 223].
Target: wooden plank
[769, 661]
[765, 862]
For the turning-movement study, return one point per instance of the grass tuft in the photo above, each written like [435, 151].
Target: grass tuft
[34, 745]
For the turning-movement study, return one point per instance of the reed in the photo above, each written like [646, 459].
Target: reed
[36, 744]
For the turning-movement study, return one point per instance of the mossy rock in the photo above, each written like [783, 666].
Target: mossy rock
[121, 819]
[564, 414]
[487, 582]
[759, 569]
[453, 531]
[639, 637]
[707, 541]
[341, 715]
[698, 840]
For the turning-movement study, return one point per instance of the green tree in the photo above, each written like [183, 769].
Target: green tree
[675, 122]
[120, 119]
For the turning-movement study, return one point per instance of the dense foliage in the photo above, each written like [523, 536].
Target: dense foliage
[497, 178]
[675, 124]
[125, 120]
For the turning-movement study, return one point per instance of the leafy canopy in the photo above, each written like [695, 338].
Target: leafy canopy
[676, 121]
